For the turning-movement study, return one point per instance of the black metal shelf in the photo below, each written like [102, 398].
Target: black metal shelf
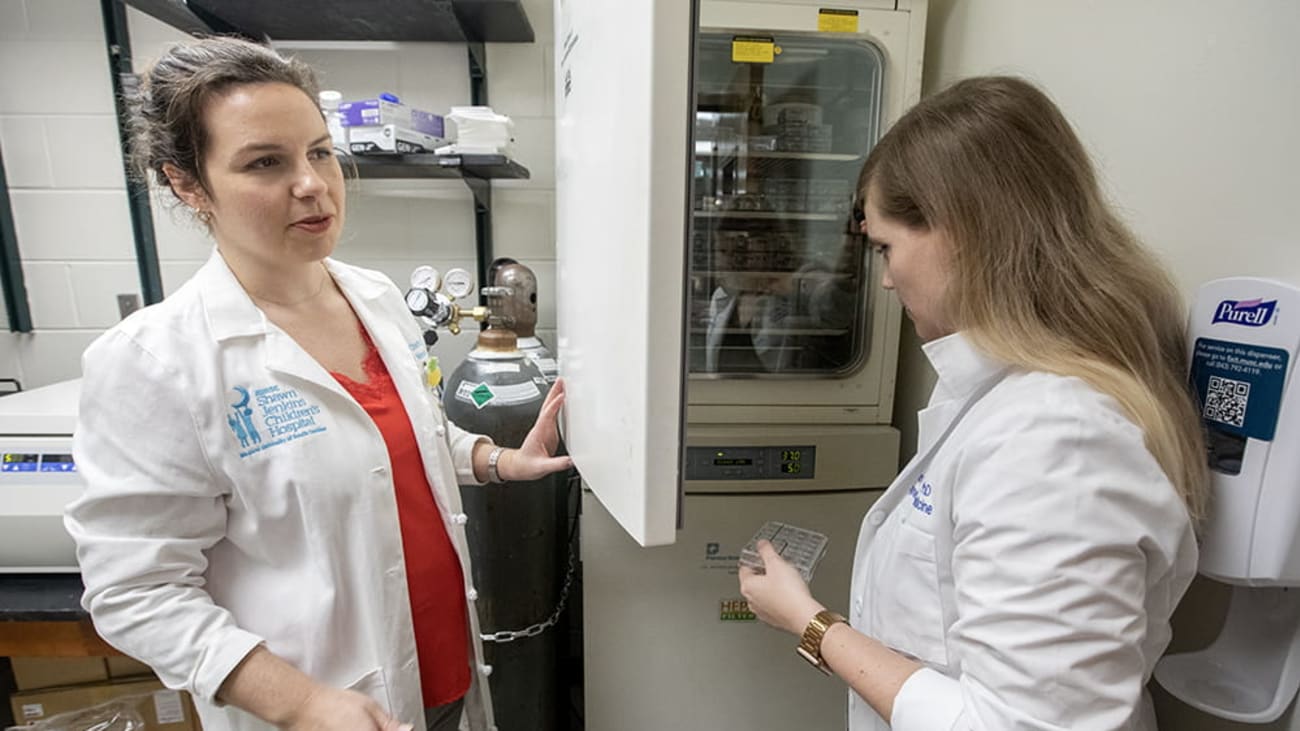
[475, 170]
[778, 215]
[427, 165]
[445, 21]
[469, 22]
[757, 155]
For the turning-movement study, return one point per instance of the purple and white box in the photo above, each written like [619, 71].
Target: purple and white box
[380, 112]
[390, 138]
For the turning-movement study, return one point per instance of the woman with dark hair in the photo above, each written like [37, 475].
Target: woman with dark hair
[271, 518]
[1021, 571]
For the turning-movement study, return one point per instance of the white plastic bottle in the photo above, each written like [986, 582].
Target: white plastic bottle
[329, 106]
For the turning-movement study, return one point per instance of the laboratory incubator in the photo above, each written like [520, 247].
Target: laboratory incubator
[706, 185]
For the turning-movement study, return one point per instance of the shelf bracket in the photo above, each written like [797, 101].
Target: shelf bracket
[11, 265]
[117, 38]
[483, 254]
[478, 92]
[480, 187]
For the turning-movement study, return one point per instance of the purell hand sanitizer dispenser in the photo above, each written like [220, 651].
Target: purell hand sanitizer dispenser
[1245, 334]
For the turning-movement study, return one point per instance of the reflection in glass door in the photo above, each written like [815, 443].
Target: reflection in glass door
[778, 272]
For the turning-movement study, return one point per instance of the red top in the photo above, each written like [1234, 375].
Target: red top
[433, 575]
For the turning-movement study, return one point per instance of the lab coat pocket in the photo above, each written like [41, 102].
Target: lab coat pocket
[917, 626]
[372, 684]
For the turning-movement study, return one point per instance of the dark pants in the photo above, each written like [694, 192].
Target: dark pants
[444, 718]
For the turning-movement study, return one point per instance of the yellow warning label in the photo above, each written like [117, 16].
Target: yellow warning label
[433, 374]
[747, 49]
[830, 20]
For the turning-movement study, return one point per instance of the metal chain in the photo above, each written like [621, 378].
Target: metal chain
[537, 629]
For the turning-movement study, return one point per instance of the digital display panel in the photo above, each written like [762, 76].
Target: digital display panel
[57, 463]
[15, 462]
[763, 462]
[25, 462]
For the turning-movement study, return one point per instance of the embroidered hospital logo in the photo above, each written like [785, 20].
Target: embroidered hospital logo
[419, 351]
[269, 417]
[241, 420]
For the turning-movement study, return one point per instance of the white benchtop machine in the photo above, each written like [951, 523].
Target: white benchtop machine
[37, 479]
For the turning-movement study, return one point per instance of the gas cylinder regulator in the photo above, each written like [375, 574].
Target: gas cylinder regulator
[432, 299]
[510, 313]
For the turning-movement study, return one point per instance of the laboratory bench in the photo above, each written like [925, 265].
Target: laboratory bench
[41, 616]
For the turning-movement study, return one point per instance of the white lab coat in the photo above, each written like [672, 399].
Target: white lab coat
[1030, 558]
[237, 495]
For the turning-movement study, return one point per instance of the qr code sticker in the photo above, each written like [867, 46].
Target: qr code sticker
[1225, 401]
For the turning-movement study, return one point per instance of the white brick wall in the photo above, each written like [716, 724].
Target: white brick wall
[66, 184]
[67, 189]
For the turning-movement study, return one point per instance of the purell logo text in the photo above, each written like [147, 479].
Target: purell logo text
[1251, 313]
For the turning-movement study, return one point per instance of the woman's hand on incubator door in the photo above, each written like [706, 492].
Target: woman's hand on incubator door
[330, 709]
[533, 460]
[779, 596]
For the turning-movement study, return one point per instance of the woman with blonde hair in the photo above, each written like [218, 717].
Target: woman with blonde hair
[1021, 571]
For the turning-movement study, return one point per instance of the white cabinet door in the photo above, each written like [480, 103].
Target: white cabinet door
[623, 115]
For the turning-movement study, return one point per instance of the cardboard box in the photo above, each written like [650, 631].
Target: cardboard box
[390, 138]
[162, 709]
[121, 666]
[32, 673]
[380, 112]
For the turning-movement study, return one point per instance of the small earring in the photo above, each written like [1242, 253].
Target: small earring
[204, 216]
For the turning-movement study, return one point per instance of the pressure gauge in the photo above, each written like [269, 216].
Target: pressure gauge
[418, 300]
[426, 277]
[458, 283]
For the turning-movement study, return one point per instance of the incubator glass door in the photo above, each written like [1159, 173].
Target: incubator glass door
[778, 273]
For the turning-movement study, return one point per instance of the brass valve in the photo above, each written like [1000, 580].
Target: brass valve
[458, 313]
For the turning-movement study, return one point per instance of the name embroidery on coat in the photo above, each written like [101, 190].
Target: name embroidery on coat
[920, 492]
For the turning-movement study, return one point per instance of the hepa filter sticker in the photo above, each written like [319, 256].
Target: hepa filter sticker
[735, 610]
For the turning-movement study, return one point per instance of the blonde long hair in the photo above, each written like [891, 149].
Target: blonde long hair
[1045, 276]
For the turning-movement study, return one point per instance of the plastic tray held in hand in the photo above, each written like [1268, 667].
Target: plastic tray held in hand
[801, 547]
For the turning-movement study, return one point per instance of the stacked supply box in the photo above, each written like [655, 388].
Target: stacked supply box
[31, 673]
[160, 709]
[34, 673]
[50, 686]
[384, 124]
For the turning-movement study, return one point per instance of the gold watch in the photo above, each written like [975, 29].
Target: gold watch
[810, 644]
